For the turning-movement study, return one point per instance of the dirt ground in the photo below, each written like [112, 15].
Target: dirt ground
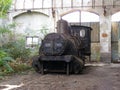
[93, 77]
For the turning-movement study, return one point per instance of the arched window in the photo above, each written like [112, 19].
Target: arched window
[116, 16]
[81, 16]
[115, 35]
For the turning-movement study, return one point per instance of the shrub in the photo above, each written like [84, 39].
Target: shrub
[4, 7]
[9, 66]
[17, 49]
[18, 65]
[4, 62]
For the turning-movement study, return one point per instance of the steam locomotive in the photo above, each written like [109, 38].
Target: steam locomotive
[64, 51]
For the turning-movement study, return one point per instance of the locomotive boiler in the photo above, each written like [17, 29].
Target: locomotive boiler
[64, 51]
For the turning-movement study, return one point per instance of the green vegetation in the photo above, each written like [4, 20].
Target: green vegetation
[14, 56]
[4, 7]
[4, 30]
[17, 49]
[4, 59]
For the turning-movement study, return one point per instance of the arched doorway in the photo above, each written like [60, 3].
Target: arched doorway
[81, 16]
[87, 19]
[115, 37]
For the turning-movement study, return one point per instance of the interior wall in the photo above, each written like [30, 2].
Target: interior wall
[31, 23]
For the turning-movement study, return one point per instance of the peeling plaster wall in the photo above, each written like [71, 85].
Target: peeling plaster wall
[98, 7]
[30, 23]
[105, 34]
[105, 38]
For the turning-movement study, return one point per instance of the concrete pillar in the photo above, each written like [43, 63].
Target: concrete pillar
[118, 45]
[105, 38]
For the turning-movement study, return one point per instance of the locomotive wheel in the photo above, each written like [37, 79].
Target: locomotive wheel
[83, 64]
[77, 69]
[36, 66]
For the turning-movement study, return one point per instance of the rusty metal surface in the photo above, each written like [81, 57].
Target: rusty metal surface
[67, 45]
[66, 58]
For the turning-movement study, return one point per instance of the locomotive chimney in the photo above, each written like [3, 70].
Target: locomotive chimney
[63, 27]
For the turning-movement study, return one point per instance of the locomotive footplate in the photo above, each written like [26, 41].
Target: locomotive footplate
[56, 62]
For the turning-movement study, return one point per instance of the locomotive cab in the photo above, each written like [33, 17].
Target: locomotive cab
[84, 34]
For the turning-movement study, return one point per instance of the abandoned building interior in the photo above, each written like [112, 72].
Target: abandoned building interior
[101, 15]
[80, 36]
